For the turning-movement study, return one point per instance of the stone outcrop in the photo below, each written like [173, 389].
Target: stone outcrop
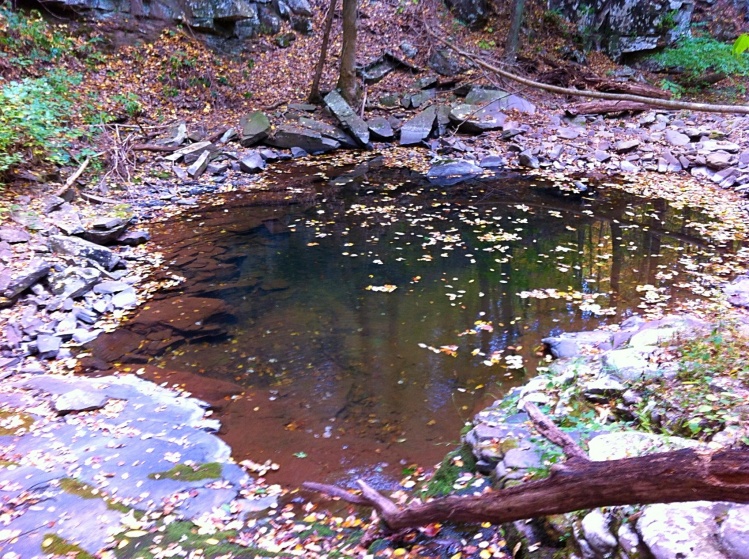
[622, 27]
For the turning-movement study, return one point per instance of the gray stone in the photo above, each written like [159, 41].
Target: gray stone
[734, 532]
[718, 160]
[718, 145]
[252, 163]
[445, 63]
[737, 292]
[350, 121]
[473, 13]
[328, 131]
[82, 336]
[628, 167]
[630, 364]
[623, 146]
[199, 167]
[500, 100]
[568, 133]
[14, 235]
[475, 119]
[300, 7]
[105, 230]
[255, 128]
[109, 287]
[193, 149]
[570, 344]
[680, 531]
[290, 136]
[522, 458]
[408, 49]
[676, 138]
[80, 400]
[134, 238]
[125, 299]
[302, 25]
[450, 172]
[596, 529]
[74, 246]
[380, 129]
[527, 159]
[20, 281]
[417, 129]
[48, 346]
[603, 389]
[492, 162]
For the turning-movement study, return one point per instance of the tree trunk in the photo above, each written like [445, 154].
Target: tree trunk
[513, 35]
[347, 76]
[579, 483]
[314, 93]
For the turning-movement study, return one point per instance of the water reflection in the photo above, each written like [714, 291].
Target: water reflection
[348, 372]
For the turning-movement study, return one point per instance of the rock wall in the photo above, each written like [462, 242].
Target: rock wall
[621, 27]
[239, 18]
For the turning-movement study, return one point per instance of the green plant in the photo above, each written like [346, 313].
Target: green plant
[130, 103]
[740, 44]
[668, 21]
[697, 56]
[33, 113]
[486, 45]
[31, 38]
[674, 88]
[196, 472]
[455, 462]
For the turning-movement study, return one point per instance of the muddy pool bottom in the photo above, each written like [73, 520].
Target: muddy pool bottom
[355, 335]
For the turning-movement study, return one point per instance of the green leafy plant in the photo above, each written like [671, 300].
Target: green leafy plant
[697, 56]
[675, 89]
[740, 44]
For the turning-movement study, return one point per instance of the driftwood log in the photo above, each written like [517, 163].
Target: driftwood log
[579, 483]
[606, 108]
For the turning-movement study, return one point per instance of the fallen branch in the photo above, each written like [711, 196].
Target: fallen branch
[653, 102]
[72, 178]
[606, 107]
[677, 476]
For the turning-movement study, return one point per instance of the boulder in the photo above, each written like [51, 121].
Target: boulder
[676, 138]
[474, 119]
[350, 121]
[104, 231]
[630, 364]
[81, 248]
[74, 282]
[473, 13]
[380, 129]
[418, 129]
[254, 128]
[288, 136]
[252, 163]
[504, 100]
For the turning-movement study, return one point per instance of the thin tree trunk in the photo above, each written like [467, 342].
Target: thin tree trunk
[513, 35]
[347, 76]
[314, 93]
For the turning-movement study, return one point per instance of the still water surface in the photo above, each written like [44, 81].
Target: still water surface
[371, 324]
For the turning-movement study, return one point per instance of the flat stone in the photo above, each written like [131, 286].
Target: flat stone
[350, 121]
[571, 344]
[328, 131]
[110, 287]
[74, 246]
[681, 530]
[83, 336]
[380, 129]
[417, 129]
[125, 299]
[527, 159]
[603, 389]
[290, 136]
[252, 163]
[737, 292]
[195, 149]
[184, 314]
[80, 400]
[48, 346]
[718, 160]
[453, 171]
[199, 166]
[568, 133]
[492, 162]
[475, 119]
[14, 235]
[630, 364]
[676, 138]
[254, 128]
[718, 145]
[134, 238]
[628, 167]
[33, 272]
[624, 146]
[522, 458]
[501, 99]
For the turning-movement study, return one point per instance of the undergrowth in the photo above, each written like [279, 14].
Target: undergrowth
[696, 56]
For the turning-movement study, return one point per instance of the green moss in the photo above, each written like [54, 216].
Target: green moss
[211, 470]
[52, 544]
[449, 470]
[14, 422]
[75, 487]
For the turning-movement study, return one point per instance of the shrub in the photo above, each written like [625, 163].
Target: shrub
[697, 56]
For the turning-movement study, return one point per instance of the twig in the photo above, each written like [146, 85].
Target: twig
[553, 434]
[74, 177]
[333, 491]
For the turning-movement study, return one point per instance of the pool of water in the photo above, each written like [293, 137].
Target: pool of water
[366, 327]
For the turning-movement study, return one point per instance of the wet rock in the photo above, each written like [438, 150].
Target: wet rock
[188, 315]
[79, 400]
[290, 136]
[445, 63]
[254, 128]
[134, 238]
[48, 346]
[81, 248]
[418, 129]
[380, 129]
[571, 344]
[676, 138]
[252, 163]
[737, 292]
[20, 281]
[450, 172]
[298, 152]
[14, 235]
[348, 118]
[474, 119]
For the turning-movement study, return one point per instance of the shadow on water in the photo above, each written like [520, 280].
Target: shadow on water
[288, 324]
